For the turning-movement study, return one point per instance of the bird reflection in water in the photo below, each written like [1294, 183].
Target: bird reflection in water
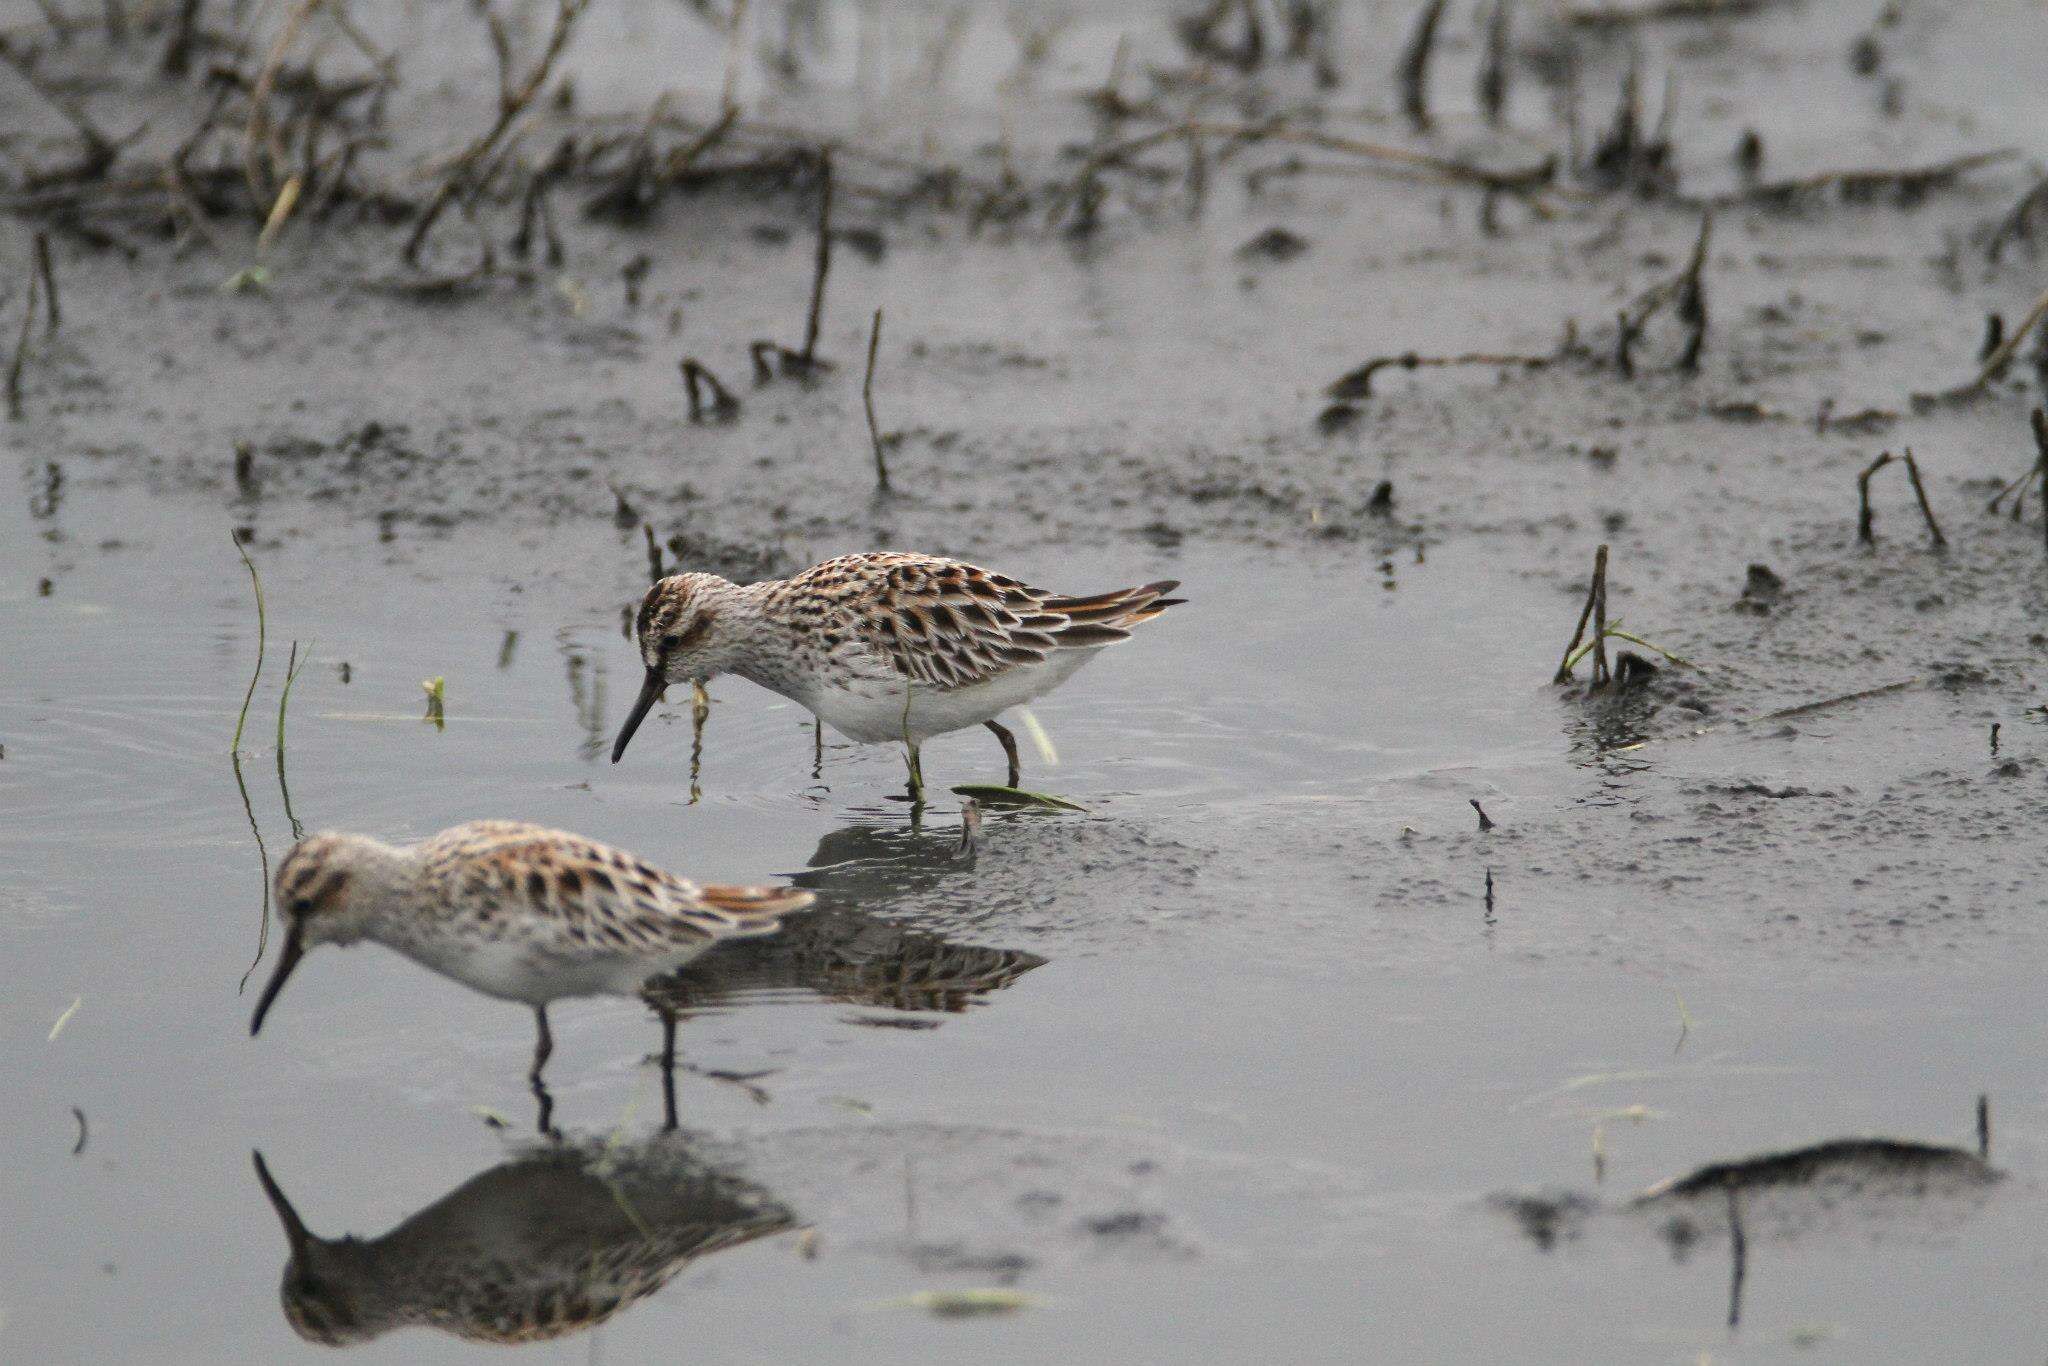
[842, 953]
[548, 1244]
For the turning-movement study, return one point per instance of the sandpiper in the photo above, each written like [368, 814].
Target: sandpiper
[515, 911]
[884, 646]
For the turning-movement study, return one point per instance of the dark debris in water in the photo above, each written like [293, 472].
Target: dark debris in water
[1274, 244]
[1547, 1217]
[1847, 1167]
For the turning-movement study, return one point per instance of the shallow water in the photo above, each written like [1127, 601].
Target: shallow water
[1240, 1061]
[1264, 1066]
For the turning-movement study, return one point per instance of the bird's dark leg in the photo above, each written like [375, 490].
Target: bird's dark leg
[916, 775]
[543, 1046]
[817, 750]
[1009, 748]
[668, 1069]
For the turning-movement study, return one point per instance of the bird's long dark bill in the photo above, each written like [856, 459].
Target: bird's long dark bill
[294, 950]
[295, 1230]
[650, 693]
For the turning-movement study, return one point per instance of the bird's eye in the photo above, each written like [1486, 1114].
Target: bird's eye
[690, 635]
[302, 905]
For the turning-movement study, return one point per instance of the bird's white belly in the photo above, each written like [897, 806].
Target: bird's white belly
[874, 712]
[513, 970]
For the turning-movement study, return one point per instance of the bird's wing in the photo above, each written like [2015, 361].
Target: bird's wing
[591, 897]
[948, 624]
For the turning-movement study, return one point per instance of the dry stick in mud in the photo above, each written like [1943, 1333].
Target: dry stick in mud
[100, 150]
[1995, 363]
[2017, 224]
[1595, 597]
[724, 407]
[256, 133]
[1920, 493]
[1688, 290]
[867, 398]
[2017, 489]
[48, 274]
[1494, 64]
[28, 318]
[805, 364]
[1738, 1252]
[1864, 532]
[1520, 180]
[814, 318]
[1602, 674]
[1610, 14]
[1412, 73]
[512, 102]
[184, 28]
[1907, 184]
[1355, 384]
[1865, 519]
[653, 553]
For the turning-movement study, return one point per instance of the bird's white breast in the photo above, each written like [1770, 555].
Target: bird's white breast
[873, 712]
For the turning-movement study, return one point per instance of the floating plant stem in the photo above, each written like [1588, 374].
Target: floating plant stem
[257, 584]
[436, 690]
[263, 860]
[292, 669]
[991, 794]
[1040, 739]
[700, 712]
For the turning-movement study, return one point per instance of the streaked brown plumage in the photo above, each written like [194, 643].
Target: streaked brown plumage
[884, 646]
